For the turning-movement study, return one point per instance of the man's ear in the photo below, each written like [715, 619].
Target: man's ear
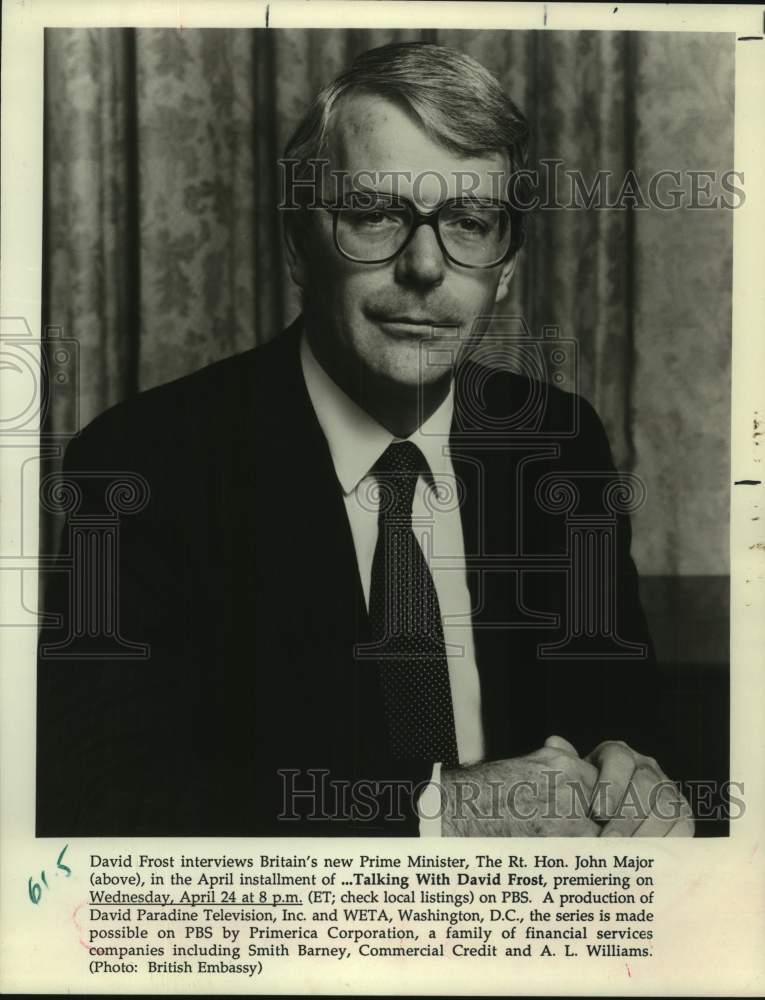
[505, 278]
[294, 241]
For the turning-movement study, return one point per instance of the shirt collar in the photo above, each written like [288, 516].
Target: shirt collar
[356, 440]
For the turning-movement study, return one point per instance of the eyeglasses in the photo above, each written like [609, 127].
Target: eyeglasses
[371, 228]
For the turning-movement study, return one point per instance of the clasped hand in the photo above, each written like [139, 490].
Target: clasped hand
[612, 792]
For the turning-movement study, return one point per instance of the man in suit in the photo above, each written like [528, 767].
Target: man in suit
[348, 567]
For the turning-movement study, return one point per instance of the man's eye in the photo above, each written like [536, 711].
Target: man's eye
[374, 218]
[470, 225]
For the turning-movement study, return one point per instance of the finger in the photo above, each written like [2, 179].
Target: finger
[654, 826]
[611, 830]
[578, 826]
[605, 748]
[616, 765]
[620, 828]
[650, 807]
[559, 743]
[584, 828]
[640, 759]
[584, 773]
[683, 828]
[571, 768]
[607, 745]
[666, 804]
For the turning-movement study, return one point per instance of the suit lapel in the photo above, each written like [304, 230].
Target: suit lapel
[487, 469]
[316, 608]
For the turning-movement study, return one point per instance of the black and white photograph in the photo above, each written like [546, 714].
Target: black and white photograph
[381, 487]
[362, 344]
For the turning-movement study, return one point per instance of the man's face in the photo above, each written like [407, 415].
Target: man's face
[378, 315]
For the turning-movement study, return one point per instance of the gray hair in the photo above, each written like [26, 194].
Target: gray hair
[459, 102]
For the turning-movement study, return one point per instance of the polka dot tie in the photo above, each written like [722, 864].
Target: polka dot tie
[405, 620]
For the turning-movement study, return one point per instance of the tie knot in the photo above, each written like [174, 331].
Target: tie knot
[396, 472]
[401, 458]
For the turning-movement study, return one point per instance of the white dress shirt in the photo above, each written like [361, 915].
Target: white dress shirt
[356, 441]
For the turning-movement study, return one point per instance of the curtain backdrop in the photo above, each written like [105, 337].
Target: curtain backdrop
[162, 246]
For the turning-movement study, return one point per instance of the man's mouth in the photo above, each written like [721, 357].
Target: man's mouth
[421, 326]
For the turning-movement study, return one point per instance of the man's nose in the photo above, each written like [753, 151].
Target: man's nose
[422, 261]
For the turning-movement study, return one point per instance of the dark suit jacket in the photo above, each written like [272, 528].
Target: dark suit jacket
[240, 573]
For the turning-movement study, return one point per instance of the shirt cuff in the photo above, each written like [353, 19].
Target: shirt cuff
[429, 805]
